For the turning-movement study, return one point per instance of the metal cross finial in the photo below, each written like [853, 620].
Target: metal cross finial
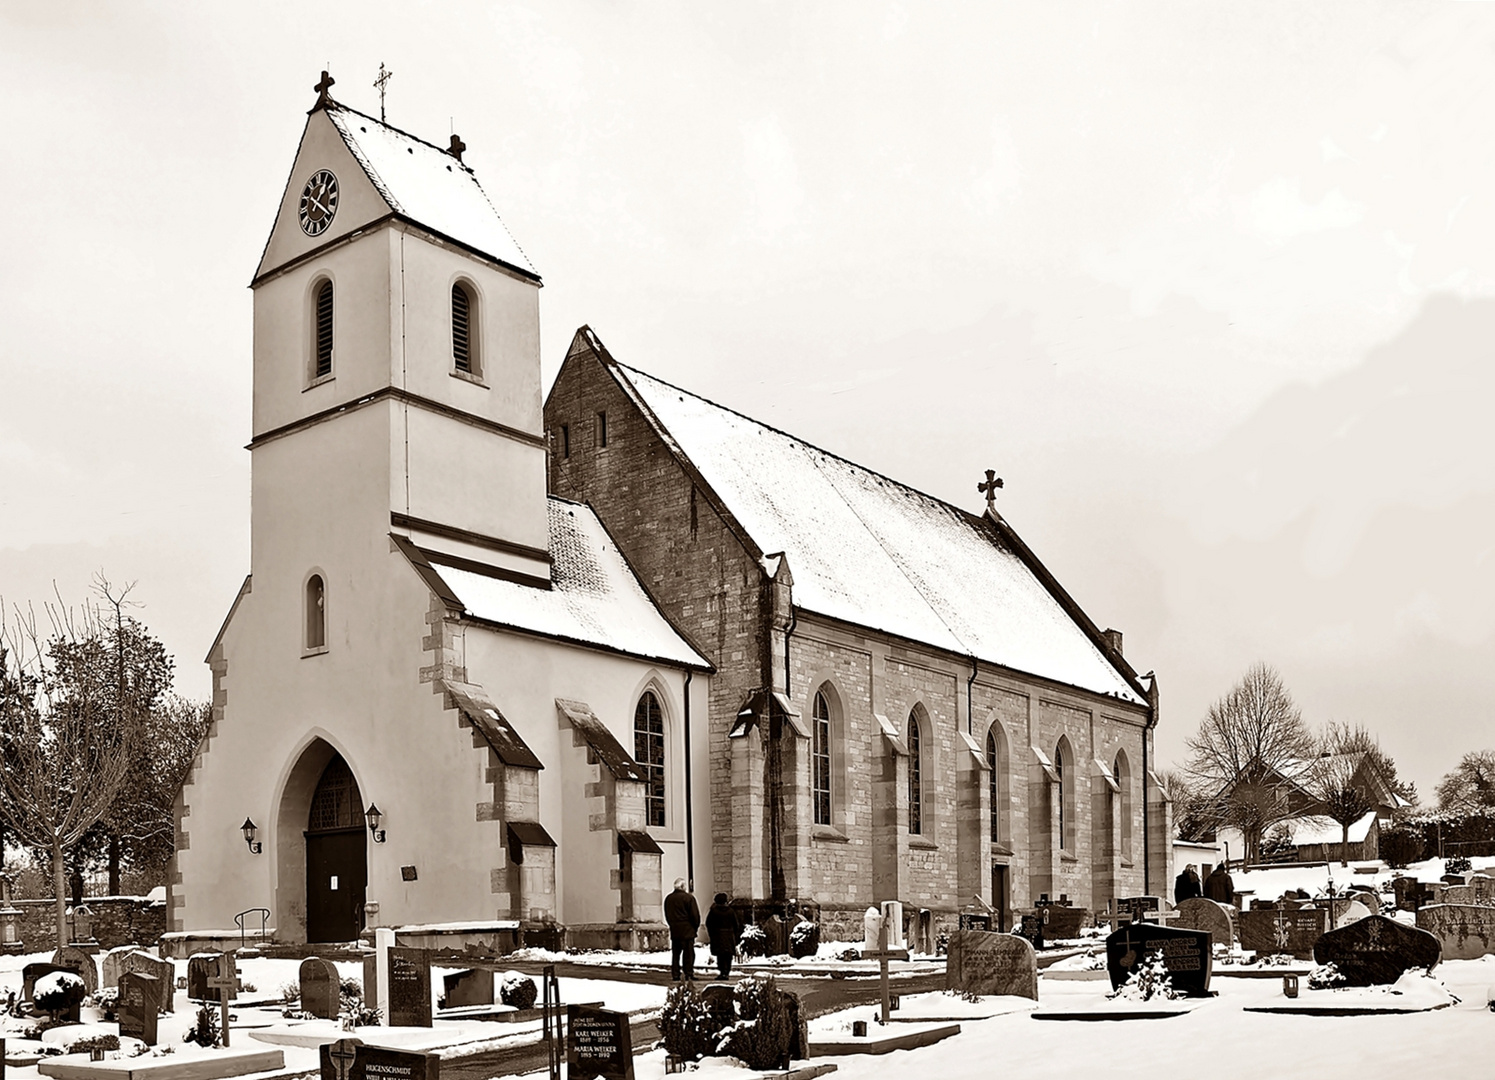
[457, 147]
[323, 97]
[989, 488]
[379, 84]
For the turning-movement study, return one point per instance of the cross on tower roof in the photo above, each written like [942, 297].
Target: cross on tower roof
[989, 488]
[379, 84]
[323, 97]
[457, 147]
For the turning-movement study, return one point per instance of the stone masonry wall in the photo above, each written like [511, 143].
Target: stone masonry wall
[123, 920]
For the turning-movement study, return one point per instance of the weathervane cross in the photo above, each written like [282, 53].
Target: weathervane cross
[989, 488]
[379, 84]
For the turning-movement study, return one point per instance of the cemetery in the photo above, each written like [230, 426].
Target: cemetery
[1213, 972]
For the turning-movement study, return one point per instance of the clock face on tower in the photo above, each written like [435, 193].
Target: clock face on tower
[318, 202]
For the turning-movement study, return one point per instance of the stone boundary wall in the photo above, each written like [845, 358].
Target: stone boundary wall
[121, 920]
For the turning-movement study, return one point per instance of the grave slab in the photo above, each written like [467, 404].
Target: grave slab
[184, 1064]
[1464, 931]
[983, 963]
[1138, 1010]
[1377, 950]
[883, 1040]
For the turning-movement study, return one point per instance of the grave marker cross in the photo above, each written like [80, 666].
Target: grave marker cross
[227, 985]
[343, 1053]
[989, 488]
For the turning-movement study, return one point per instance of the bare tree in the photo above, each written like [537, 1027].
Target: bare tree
[1248, 745]
[1470, 787]
[1336, 777]
[66, 732]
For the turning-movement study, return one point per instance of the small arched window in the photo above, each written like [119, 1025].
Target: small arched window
[1124, 802]
[648, 751]
[994, 765]
[1063, 766]
[316, 613]
[324, 330]
[464, 341]
[915, 776]
[820, 760]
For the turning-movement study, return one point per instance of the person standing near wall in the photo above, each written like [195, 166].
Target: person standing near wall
[724, 931]
[683, 918]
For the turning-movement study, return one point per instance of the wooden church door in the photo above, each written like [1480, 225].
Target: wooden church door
[337, 871]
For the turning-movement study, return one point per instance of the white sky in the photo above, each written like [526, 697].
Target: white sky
[1211, 286]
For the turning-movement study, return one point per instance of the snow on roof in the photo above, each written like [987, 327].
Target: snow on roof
[1325, 830]
[870, 551]
[427, 185]
[594, 597]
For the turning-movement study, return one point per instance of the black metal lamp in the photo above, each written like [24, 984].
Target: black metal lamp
[374, 817]
[250, 831]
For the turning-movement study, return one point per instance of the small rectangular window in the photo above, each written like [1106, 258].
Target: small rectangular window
[601, 429]
[565, 440]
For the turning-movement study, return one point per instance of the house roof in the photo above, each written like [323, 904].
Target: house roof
[870, 551]
[425, 184]
[594, 599]
[1325, 830]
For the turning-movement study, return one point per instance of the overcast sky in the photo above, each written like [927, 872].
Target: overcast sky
[1211, 286]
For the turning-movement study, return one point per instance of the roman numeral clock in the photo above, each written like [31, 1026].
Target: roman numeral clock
[318, 202]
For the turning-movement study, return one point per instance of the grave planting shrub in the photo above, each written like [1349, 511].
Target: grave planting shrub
[518, 990]
[1150, 980]
[754, 942]
[107, 999]
[1401, 846]
[58, 992]
[804, 939]
[93, 1042]
[1457, 864]
[204, 1030]
[753, 1021]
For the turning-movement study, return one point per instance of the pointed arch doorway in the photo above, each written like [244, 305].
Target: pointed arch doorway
[337, 870]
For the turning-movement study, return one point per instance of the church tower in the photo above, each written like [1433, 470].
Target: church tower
[396, 362]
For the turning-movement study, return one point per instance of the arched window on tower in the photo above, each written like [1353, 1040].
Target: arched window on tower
[316, 613]
[648, 751]
[323, 340]
[820, 760]
[464, 329]
[915, 776]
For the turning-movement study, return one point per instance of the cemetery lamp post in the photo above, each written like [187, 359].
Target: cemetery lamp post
[250, 831]
[375, 817]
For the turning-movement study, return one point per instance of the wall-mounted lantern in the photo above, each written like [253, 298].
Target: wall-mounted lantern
[374, 817]
[250, 831]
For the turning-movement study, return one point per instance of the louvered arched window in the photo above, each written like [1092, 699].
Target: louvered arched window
[648, 751]
[463, 353]
[324, 330]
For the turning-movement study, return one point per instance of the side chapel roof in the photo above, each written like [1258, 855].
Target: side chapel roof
[870, 551]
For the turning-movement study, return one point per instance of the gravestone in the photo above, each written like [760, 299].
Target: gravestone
[320, 988]
[979, 962]
[1410, 893]
[1282, 930]
[598, 1043]
[79, 961]
[1453, 879]
[1138, 906]
[1376, 950]
[1465, 931]
[200, 968]
[409, 987]
[1483, 886]
[1458, 894]
[138, 996]
[1186, 955]
[1367, 896]
[112, 966]
[1064, 922]
[1030, 928]
[1199, 913]
[973, 920]
[471, 987]
[350, 1059]
[163, 970]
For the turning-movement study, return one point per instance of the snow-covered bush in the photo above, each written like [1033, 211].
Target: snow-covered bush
[107, 999]
[754, 942]
[753, 1021]
[853, 952]
[1149, 980]
[91, 1043]
[804, 939]
[1456, 864]
[204, 1030]
[58, 992]
[1325, 977]
[518, 990]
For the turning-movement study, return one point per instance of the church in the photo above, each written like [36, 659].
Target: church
[505, 668]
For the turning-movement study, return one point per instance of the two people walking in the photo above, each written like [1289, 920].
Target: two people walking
[683, 918]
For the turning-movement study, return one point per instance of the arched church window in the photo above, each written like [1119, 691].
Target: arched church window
[995, 768]
[316, 613]
[1123, 774]
[1064, 767]
[915, 776]
[820, 760]
[335, 804]
[324, 329]
[464, 342]
[648, 751]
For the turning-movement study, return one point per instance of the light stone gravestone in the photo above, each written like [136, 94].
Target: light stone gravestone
[1458, 894]
[111, 969]
[163, 970]
[82, 963]
[980, 962]
[1200, 913]
[1483, 886]
[1347, 910]
[1465, 931]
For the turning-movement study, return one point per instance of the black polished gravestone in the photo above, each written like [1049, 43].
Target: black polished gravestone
[1186, 955]
[139, 995]
[321, 990]
[350, 1059]
[598, 1043]
[409, 987]
[1376, 950]
[473, 986]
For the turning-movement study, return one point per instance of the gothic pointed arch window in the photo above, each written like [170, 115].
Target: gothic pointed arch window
[323, 331]
[820, 759]
[1123, 774]
[465, 352]
[1064, 763]
[917, 818]
[996, 782]
[316, 614]
[648, 751]
[336, 805]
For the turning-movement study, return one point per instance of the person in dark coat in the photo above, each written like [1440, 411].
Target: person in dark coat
[1186, 886]
[683, 918]
[1219, 886]
[723, 930]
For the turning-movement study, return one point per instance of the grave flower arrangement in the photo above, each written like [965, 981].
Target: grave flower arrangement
[1150, 980]
[1325, 977]
[752, 1021]
[753, 942]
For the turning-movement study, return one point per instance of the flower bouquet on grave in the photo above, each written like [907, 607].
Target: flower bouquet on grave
[1150, 980]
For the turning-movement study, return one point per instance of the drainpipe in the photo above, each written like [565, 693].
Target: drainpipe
[1152, 722]
[690, 836]
[975, 667]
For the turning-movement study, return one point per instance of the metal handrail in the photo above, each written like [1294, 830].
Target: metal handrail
[262, 912]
